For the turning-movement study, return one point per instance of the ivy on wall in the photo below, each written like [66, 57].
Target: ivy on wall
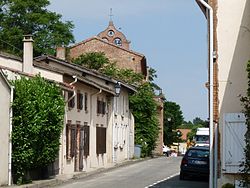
[246, 104]
[144, 109]
[38, 111]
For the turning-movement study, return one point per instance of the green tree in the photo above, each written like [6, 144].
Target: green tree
[38, 111]
[98, 61]
[92, 60]
[173, 118]
[22, 17]
[144, 109]
[199, 121]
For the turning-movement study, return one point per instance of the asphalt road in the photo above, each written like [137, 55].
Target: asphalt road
[156, 173]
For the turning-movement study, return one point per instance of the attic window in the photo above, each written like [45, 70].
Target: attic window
[118, 41]
[111, 33]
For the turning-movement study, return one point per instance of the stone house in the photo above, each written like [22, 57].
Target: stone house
[230, 53]
[97, 121]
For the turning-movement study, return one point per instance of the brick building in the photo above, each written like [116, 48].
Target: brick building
[115, 46]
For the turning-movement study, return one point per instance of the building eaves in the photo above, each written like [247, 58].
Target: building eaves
[10, 56]
[79, 68]
[4, 78]
[62, 85]
[203, 9]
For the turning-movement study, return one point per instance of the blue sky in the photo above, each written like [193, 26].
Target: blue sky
[172, 34]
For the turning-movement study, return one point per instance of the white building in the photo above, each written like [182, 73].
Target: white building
[99, 127]
[231, 52]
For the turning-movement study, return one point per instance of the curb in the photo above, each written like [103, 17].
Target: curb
[59, 180]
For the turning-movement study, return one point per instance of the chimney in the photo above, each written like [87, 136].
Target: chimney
[61, 53]
[28, 54]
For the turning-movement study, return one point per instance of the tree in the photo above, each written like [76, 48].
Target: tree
[172, 119]
[98, 61]
[38, 111]
[22, 17]
[199, 121]
[144, 109]
[92, 60]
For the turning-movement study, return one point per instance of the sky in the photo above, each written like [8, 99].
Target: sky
[172, 34]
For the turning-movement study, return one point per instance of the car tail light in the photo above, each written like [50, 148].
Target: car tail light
[184, 161]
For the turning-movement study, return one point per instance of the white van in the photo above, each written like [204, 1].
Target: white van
[202, 137]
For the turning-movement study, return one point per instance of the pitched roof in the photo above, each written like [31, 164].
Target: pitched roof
[83, 70]
[108, 43]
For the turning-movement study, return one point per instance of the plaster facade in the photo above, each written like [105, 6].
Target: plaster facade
[5, 99]
[233, 38]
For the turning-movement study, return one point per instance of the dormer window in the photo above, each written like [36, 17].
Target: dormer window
[118, 41]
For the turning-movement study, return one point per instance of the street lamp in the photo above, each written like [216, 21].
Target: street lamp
[117, 88]
[178, 135]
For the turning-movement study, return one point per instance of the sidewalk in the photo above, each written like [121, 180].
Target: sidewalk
[60, 179]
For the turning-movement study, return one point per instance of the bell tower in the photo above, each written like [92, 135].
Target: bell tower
[112, 35]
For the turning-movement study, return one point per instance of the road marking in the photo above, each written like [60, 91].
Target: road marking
[169, 177]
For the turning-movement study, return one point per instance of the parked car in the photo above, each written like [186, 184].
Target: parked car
[195, 162]
[166, 150]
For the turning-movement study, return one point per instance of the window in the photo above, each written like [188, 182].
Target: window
[71, 102]
[111, 33]
[79, 101]
[101, 107]
[100, 140]
[86, 102]
[118, 41]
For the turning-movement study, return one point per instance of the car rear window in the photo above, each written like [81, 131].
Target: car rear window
[198, 153]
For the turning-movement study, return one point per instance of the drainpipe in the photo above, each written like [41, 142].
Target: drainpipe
[90, 113]
[10, 135]
[211, 91]
[66, 119]
[74, 94]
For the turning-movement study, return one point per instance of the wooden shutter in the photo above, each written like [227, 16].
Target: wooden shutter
[86, 102]
[86, 140]
[68, 141]
[73, 141]
[79, 101]
[100, 140]
[234, 130]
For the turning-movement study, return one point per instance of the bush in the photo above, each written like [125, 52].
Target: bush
[38, 111]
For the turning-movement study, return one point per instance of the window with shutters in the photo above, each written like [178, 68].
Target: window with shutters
[101, 106]
[100, 140]
[79, 101]
[71, 102]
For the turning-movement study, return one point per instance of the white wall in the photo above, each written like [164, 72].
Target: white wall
[4, 130]
[233, 34]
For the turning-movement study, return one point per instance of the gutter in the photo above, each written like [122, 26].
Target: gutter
[209, 10]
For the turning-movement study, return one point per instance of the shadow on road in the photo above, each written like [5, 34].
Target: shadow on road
[189, 183]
